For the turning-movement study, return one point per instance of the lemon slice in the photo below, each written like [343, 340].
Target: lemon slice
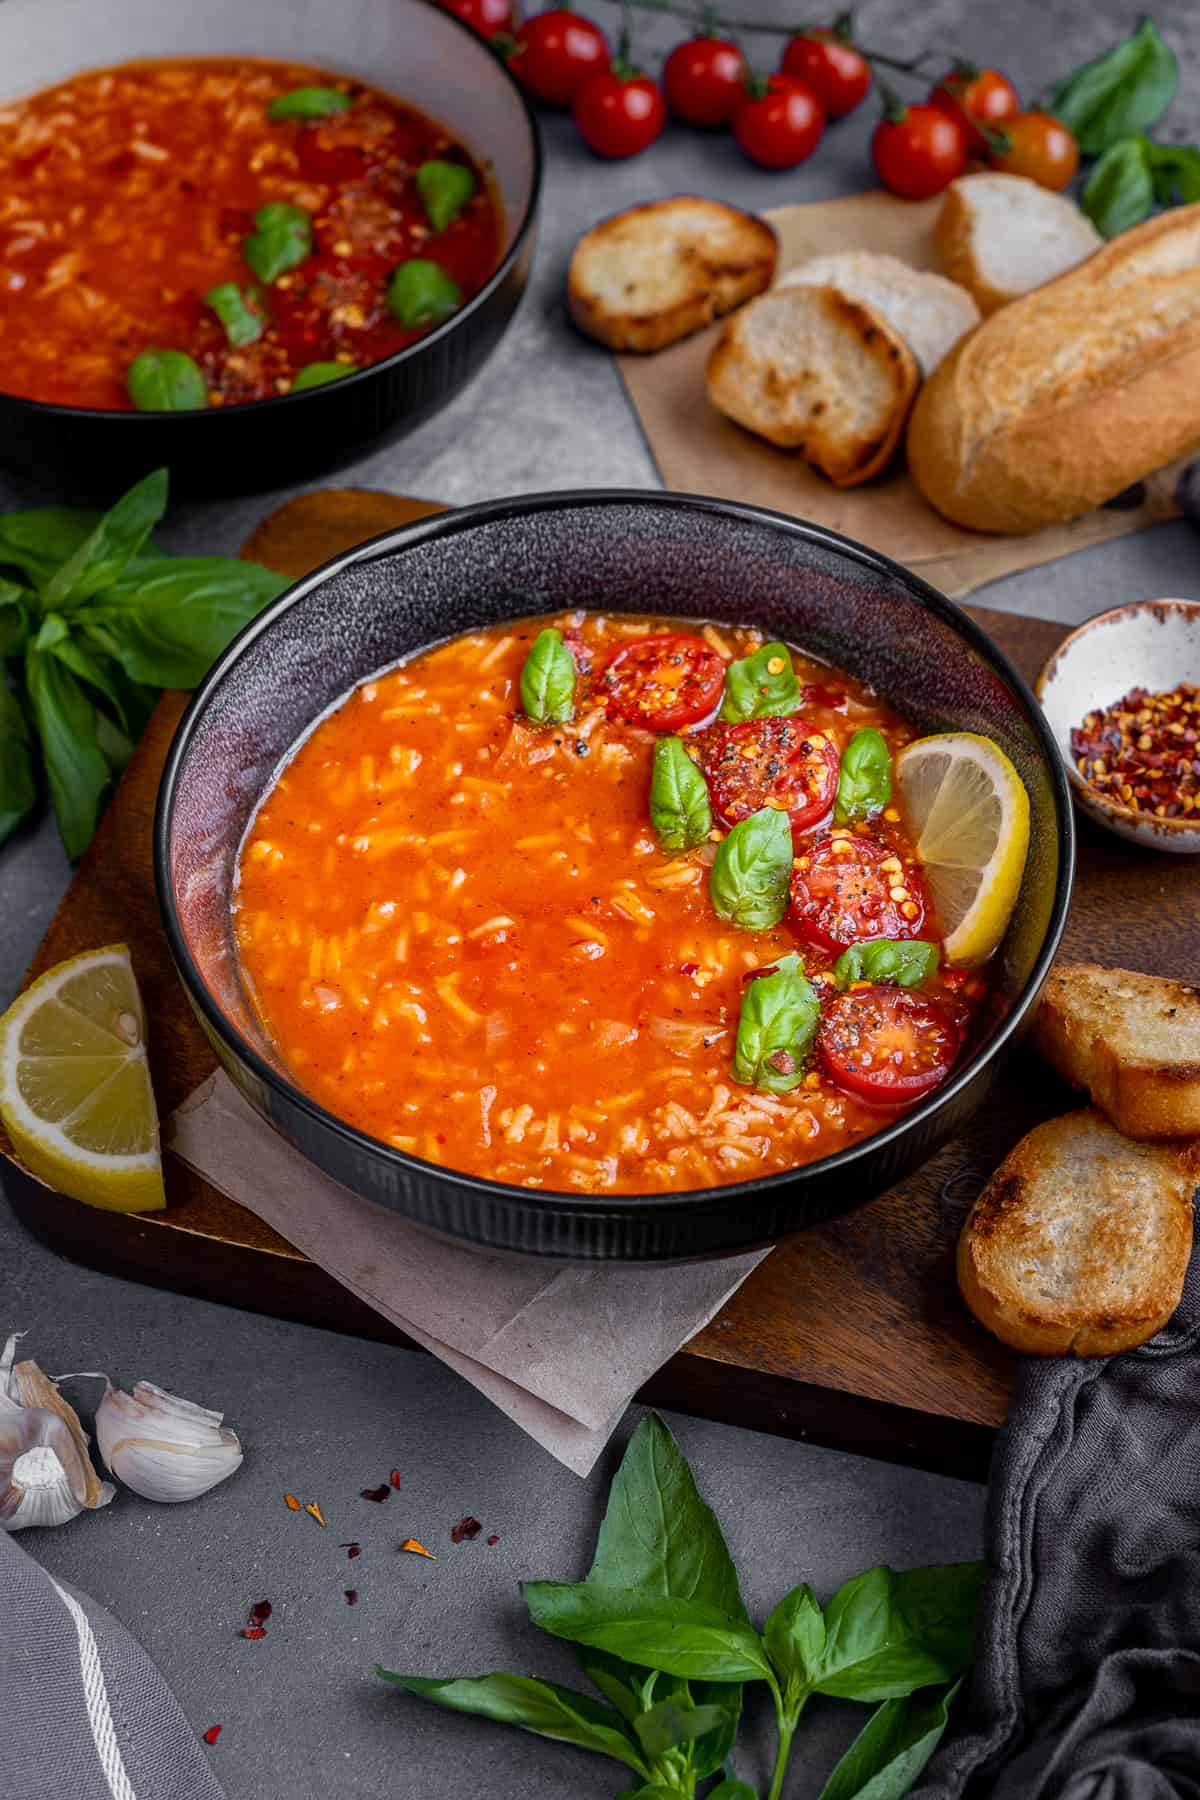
[75, 1088]
[968, 813]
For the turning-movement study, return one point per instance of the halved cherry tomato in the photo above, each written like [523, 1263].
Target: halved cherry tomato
[486, 17]
[702, 80]
[783, 763]
[555, 52]
[886, 1046]
[663, 682]
[977, 97]
[841, 893]
[919, 151]
[780, 128]
[1040, 147]
[838, 74]
[619, 112]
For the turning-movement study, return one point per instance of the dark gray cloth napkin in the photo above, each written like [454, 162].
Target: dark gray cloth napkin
[1086, 1684]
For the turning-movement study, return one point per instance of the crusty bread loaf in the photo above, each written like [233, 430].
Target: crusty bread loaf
[1131, 1041]
[929, 312]
[655, 273]
[1080, 1241]
[1001, 235]
[816, 372]
[1070, 394]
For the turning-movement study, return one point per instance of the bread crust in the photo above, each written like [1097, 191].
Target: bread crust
[724, 257]
[1146, 1098]
[992, 461]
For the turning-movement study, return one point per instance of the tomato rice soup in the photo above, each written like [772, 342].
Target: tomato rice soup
[567, 904]
[193, 233]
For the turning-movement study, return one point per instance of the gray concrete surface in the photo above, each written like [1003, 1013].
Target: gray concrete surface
[324, 1415]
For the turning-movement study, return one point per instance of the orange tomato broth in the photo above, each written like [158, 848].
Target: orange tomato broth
[126, 194]
[462, 937]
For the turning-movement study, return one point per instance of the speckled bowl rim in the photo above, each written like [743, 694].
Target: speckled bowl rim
[1095, 801]
[52, 409]
[570, 1202]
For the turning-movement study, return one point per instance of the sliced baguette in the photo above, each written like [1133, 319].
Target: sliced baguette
[1001, 235]
[1070, 394]
[1132, 1042]
[814, 371]
[656, 273]
[929, 312]
[1080, 1241]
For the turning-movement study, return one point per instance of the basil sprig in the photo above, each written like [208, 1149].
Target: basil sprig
[239, 313]
[752, 871]
[548, 680]
[282, 238]
[94, 621]
[679, 807]
[1120, 93]
[319, 374]
[762, 686]
[778, 1023]
[1134, 174]
[420, 292]
[309, 103]
[663, 1634]
[445, 188]
[864, 777]
[165, 381]
[898, 962]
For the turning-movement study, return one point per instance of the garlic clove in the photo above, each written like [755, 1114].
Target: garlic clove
[162, 1446]
[46, 1475]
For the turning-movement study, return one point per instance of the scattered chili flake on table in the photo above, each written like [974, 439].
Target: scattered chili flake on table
[378, 1494]
[212, 1734]
[351, 1596]
[1144, 752]
[394, 1478]
[314, 1511]
[493, 1539]
[291, 1502]
[352, 1550]
[253, 1631]
[260, 1612]
[417, 1549]
[467, 1530]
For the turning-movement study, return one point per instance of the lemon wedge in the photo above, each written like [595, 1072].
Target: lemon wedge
[75, 1089]
[968, 813]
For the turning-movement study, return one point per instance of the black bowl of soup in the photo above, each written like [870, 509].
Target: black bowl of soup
[250, 244]
[457, 936]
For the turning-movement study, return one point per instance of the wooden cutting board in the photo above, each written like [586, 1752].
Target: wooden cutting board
[851, 1334]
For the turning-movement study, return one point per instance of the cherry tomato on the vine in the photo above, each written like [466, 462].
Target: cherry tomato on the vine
[979, 97]
[703, 80]
[1041, 147]
[838, 74]
[619, 112]
[555, 52]
[781, 127]
[918, 150]
[486, 17]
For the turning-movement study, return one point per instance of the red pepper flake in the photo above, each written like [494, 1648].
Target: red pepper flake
[689, 968]
[212, 1734]
[351, 1596]
[352, 1550]
[379, 1494]
[314, 1511]
[394, 1478]
[416, 1549]
[1144, 752]
[260, 1612]
[253, 1631]
[466, 1531]
[291, 1502]
[493, 1539]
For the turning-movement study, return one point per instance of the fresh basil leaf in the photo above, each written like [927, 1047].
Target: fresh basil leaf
[319, 374]
[711, 1751]
[1119, 93]
[864, 777]
[680, 813]
[733, 1790]
[681, 1637]
[81, 661]
[37, 541]
[542, 1707]
[282, 238]
[795, 1638]
[669, 1723]
[445, 188]
[548, 680]
[169, 627]
[420, 292]
[109, 547]
[165, 381]
[623, 1686]
[761, 686]
[76, 768]
[903, 962]
[1176, 172]
[18, 790]
[239, 313]
[309, 103]
[1119, 192]
[888, 1633]
[892, 1748]
[17, 606]
[752, 871]
[655, 1791]
[51, 631]
[778, 1023]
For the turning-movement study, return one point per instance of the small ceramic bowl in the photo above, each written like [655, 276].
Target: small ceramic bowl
[1150, 644]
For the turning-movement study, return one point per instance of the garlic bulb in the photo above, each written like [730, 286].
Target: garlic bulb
[46, 1475]
[163, 1447]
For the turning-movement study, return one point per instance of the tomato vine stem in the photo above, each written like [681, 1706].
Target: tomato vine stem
[708, 20]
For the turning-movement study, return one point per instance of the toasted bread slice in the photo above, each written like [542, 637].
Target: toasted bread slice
[930, 312]
[1130, 1041]
[817, 372]
[658, 272]
[1080, 1241]
[1000, 235]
